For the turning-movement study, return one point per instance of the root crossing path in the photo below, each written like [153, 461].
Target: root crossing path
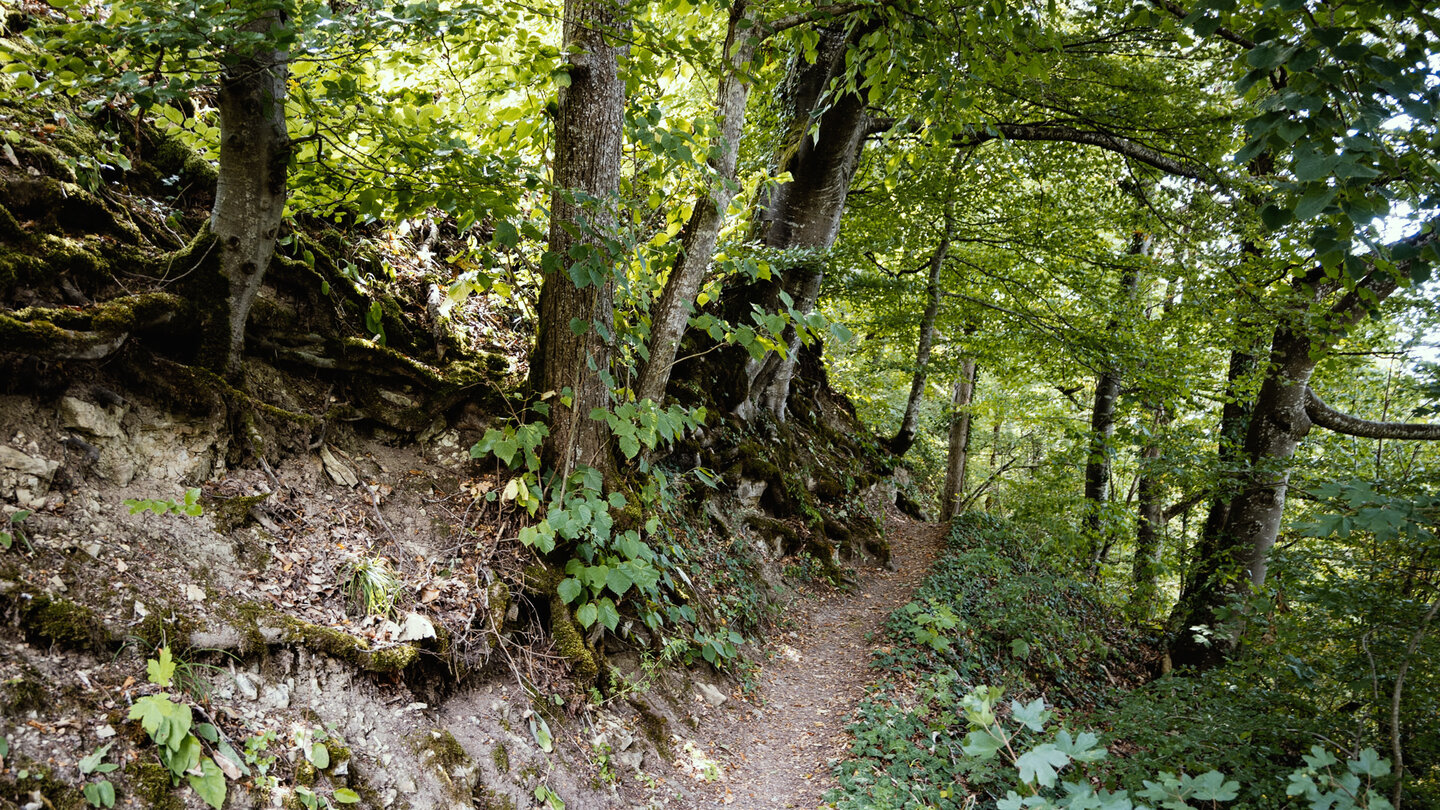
[778, 751]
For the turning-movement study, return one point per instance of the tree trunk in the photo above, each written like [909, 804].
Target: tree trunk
[1102, 421]
[588, 139]
[992, 502]
[672, 313]
[1149, 523]
[805, 213]
[1277, 426]
[250, 187]
[959, 457]
[905, 437]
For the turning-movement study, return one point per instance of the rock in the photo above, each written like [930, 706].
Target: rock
[710, 694]
[246, 686]
[25, 478]
[405, 785]
[194, 593]
[105, 732]
[338, 471]
[77, 414]
[416, 627]
[633, 759]
[276, 696]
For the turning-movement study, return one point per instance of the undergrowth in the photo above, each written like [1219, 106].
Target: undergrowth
[998, 614]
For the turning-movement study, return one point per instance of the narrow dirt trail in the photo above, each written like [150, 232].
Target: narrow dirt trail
[778, 752]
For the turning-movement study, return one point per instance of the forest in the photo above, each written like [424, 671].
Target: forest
[1054, 385]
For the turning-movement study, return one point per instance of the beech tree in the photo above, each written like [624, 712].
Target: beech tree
[577, 300]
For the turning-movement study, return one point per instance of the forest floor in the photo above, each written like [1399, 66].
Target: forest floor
[778, 751]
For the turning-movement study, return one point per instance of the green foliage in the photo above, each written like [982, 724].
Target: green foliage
[372, 586]
[170, 725]
[189, 506]
[13, 530]
[101, 793]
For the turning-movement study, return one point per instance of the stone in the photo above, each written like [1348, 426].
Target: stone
[79, 415]
[416, 627]
[710, 694]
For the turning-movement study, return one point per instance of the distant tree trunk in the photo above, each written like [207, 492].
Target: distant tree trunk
[805, 213]
[905, 437]
[992, 501]
[1281, 420]
[1149, 522]
[1102, 420]
[588, 139]
[697, 249]
[250, 188]
[959, 457]
[1213, 555]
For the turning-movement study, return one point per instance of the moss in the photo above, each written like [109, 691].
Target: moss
[166, 627]
[342, 646]
[500, 755]
[656, 729]
[65, 624]
[232, 513]
[23, 695]
[570, 643]
[150, 782]
[54, 792]
[486, 799]
[440, 750]
[305, 772]
[790, 538]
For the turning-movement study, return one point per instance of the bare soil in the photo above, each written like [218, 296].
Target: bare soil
[777, 750]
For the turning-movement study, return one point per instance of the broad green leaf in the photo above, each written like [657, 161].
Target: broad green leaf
[161, 669]
[1041, 764]
[345, 796]
[319, 756]
[1033, 715]
[569, 589]
[1212, 786]
[982, 744]
[210, 784]
[541, 731]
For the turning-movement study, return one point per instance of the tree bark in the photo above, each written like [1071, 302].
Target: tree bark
[1327, 417]
[909, 423]
[1149, 523]
[697, 249]
[959, 457]
[1102, 420]
[588, 140]
[805, 213]
[251, 182]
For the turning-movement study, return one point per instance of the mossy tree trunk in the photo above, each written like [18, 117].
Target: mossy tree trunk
[805, 213]
[1285, 410]
[250, 189]
[697, 249]
[580, 292]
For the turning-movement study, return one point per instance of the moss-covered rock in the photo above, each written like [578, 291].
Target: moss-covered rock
[343, 646]
[52, 620]
[230, 514]
[150, 783]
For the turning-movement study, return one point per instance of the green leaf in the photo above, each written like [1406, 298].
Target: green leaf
[1370, 764]
[100, 794]
[618, 581]
[541, 731]
[1314, 202]
[1211, 786]
[319, 756]
[608, 614]
[89, 763]
[162, 669]
[345, 796]
[1041, 764]
[569, 589]
[982, 744]
[1032, 715]
[210, 784]
[586, 614]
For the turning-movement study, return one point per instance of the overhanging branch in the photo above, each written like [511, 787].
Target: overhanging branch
[1331, 419]
[1113, 143]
